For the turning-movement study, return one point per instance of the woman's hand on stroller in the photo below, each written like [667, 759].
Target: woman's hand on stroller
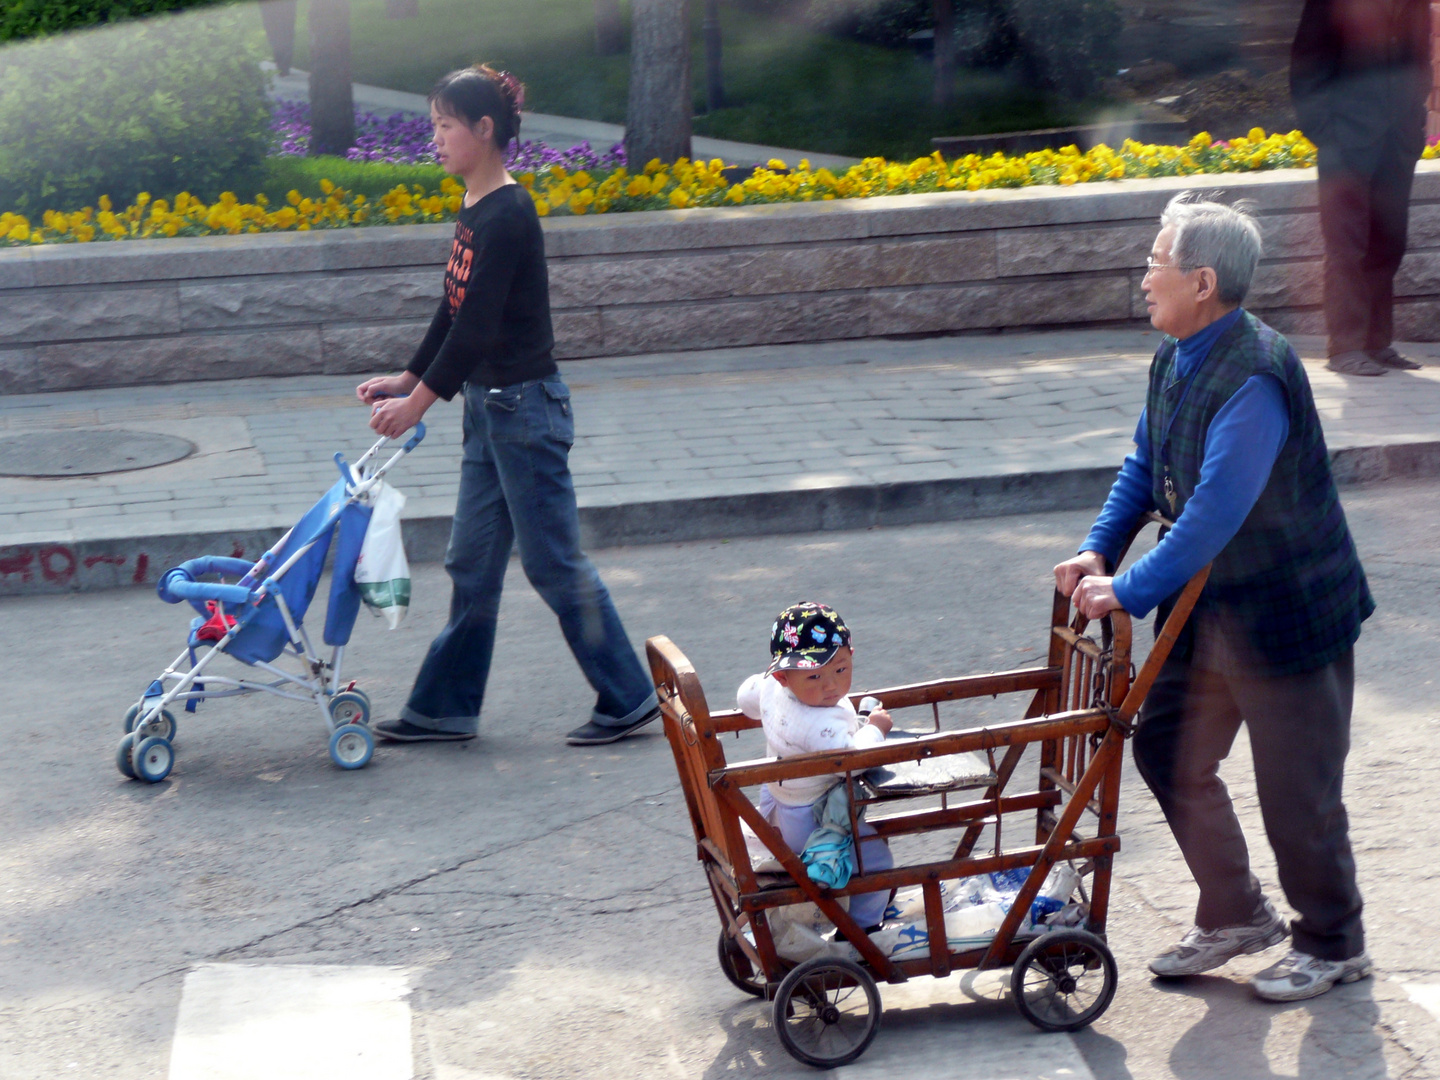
[394, 416]
[383, 386]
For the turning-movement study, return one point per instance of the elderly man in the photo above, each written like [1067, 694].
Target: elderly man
[1229, 447]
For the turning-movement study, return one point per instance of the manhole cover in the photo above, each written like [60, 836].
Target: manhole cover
[85, 453]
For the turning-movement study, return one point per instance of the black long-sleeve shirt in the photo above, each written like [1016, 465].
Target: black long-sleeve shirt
[492, 327]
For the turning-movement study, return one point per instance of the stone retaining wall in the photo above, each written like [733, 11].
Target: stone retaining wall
[139, 312]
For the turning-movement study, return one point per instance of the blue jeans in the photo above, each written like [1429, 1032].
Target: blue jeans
[515, 486]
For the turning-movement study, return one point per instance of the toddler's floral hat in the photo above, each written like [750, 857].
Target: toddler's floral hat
[806, 636]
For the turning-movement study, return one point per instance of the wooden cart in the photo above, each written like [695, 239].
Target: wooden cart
[1083, 703]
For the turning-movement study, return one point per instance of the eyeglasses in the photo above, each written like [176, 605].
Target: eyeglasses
[1151, 266]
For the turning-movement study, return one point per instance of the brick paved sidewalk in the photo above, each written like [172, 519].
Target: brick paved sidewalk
[718, 442]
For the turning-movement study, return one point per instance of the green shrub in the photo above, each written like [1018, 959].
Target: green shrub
[33, 18]
[1067, 45]
[879, 22]
[171, 104]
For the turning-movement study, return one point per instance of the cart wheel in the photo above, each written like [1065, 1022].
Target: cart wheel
[350, 707]
[738, 967]
[163, 725]
[153, 758]
[827, 1012]
[351, 746]
[1064, 980]
[124, 756]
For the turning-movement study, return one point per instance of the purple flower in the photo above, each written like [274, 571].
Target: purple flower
[404, 139]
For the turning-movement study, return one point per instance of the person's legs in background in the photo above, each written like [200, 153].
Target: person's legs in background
[1389, 224]
[1346, 224]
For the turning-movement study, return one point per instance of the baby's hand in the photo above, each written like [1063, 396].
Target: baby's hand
[879, 718]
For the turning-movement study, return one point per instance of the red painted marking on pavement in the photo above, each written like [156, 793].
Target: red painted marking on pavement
[109, 560]
[49, 556]
[18, 564]
[142, 564]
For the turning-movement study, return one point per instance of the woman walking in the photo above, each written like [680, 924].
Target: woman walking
[491, 340]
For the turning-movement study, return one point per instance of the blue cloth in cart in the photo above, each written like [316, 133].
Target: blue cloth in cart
[263, 636]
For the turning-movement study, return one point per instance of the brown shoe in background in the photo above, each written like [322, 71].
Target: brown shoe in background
[1355, 363]
[1388, 357]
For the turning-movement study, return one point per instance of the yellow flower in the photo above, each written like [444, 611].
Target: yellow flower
[679, 198]
[105, 203]
[327, 186]
[638, 187]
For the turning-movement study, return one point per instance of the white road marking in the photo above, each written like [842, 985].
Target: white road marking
[938, 1041]
[1426, 995]
[292, 1022]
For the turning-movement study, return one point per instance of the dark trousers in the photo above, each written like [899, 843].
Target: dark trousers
[1299, 735]
[1364, 214]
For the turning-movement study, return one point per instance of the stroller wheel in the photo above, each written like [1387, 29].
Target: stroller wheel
[124, 756]
[163, 725]
[350, 707]
[153, 758]
[351, 746]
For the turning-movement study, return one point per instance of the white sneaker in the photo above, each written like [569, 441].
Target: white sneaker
[1300, 976]
[1200, 949]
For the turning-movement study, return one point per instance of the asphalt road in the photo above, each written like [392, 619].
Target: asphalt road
[541, 904]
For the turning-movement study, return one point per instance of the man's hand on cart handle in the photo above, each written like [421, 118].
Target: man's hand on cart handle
[1083, 579]
[1069, 572]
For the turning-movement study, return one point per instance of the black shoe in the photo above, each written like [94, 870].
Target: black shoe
[593, 734]
[1388, 357]
[404, 731]
[1355, 363]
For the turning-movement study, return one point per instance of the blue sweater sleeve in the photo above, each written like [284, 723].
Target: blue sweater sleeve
[1241, 446]
[1130, 496]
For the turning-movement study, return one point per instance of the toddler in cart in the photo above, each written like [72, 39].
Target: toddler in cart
[801, 701]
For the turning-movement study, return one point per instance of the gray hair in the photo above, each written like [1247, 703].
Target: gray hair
[1224, 238]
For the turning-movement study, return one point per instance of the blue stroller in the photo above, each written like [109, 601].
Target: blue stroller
[258, 619]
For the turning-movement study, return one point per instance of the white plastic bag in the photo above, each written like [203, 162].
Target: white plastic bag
[382, 571]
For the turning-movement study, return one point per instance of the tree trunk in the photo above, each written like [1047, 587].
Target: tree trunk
[944, 51]
[332, 102]
[279, 19]
[609, 28]
[657, 119]
[714, 77]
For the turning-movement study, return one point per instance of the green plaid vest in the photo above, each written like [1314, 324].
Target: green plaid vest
[1290, 581]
